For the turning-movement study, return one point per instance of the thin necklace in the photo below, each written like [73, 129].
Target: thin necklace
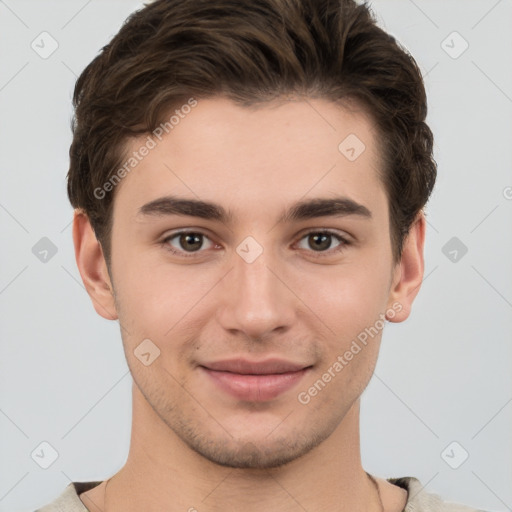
[105, 495]
[369, 476]
[378, 490]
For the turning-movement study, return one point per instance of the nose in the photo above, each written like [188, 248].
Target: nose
[257, 297]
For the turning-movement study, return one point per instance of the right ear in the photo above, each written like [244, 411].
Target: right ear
[92, 266]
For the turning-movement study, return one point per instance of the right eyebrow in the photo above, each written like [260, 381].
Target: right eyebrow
[171, 205]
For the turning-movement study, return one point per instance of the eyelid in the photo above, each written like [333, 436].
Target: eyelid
[331, 231]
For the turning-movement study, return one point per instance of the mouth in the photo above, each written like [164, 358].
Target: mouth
[255, 381]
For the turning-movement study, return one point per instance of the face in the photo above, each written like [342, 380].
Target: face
[265, 272]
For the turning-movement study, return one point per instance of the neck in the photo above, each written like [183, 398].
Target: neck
[162, 472]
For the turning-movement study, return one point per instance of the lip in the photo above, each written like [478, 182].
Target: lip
[247, 367]
[255, 381]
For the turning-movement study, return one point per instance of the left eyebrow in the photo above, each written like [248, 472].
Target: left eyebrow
[301, 210]
[325, 207]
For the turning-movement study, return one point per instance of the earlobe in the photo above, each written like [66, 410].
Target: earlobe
[408, 274]
[92, 266]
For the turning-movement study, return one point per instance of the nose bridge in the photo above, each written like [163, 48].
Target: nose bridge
[254, 277]
[256, 300]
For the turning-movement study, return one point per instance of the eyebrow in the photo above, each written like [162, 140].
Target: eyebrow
[301, 210]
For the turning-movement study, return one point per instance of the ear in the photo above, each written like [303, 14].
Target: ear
[408, 273]
[92, 266]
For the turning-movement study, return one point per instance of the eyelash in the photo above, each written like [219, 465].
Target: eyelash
[343, 242]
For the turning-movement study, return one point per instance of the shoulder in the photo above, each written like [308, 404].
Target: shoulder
[419, 500]
[69, 500]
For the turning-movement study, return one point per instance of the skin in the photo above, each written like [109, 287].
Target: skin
[193, 447]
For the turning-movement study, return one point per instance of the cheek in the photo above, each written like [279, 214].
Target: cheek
[157, 300]
[349, 296]
[351, 306]
[351, 303]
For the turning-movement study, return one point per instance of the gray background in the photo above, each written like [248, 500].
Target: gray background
[443, 376]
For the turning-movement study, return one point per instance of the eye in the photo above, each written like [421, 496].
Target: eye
[321, 242]
[186, 242]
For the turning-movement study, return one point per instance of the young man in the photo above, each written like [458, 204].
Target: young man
[249, 181]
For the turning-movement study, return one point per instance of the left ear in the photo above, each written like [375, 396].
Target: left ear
[408, 273]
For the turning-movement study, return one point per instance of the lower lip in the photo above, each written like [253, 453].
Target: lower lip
[255, 388]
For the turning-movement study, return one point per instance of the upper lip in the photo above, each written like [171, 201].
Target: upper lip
[246, 367]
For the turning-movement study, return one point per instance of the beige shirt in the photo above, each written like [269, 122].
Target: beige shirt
[418, 500]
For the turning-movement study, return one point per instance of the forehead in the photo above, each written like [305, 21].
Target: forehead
[253, 158]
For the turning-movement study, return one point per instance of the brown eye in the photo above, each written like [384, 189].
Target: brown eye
[191, 241]
[186, 243]
[322, 242]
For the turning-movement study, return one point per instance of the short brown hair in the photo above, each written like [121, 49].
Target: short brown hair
[250, 52]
